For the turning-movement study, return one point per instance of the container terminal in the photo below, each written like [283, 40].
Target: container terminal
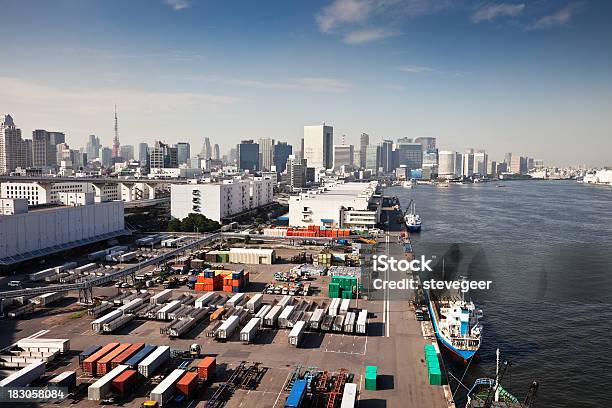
[280, 319]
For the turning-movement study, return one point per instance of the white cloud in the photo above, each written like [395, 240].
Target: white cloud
[490, 12]
[341, 12]
[178, 4]
[311, 84]
[559, 18]
[40, 97]
[368, 35]
[414, 69]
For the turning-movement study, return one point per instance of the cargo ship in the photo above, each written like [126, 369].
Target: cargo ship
[456, 323]
[413, 220]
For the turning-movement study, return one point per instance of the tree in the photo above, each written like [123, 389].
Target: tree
[193, 223]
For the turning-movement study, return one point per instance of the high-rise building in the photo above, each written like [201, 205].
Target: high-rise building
[481, 163]
[318, 146]
[508, 159]
[92, 147]
[233, 155]
[44, 149]
[216, 152]
[409, 154]
[183, 152]
[372, 158]
[143, 153]
[343, 156]
[11, 146]
[282, 151]
[459, 164]
[26, 149]
[206, 152]
[62, 153]
[468, 163]
[126, 152]
[266, 153]
[296, 172]
[518, 165]
[386, 156]
[427, 143]
[364, 142]
[446, 164]
[492, 168]
[106, 156]
[162, 155]
[248, 155]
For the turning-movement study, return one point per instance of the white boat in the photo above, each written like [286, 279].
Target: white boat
[409, 184]
[413, 220]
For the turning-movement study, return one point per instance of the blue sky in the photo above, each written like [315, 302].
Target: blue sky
[531, 77]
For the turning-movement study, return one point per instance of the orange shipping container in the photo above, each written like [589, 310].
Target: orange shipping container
[188, 383]
[125, 381]
[126, 354]
[103, 365]
[206, 367]
[89, 364]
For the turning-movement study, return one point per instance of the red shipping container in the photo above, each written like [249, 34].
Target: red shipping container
[126, 354]
[103, 365]
[125, 381]
[89, 364]
[206, 368]
[188, 383]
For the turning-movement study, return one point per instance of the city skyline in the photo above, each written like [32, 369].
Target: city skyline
[531, 78]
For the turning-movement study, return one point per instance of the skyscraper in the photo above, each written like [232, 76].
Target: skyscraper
[386, 156]
[266, 153]
[468, 163]
[11, 145]
[44, 154]
[216, 152]
[372, 158]
[446, 164]
[343, 156]
[296, 172]
[428, 143]
[162, 155]
[206, 152]
[364, 142]
[106, 156]
[248, 155]
[282, 151]
[508, 159]
[409, 154]
[183, 152]
[318, 146]
[518, 165]
[93, 147]
[116, 144]
[481, 163]
[143, 154]
[126, 152]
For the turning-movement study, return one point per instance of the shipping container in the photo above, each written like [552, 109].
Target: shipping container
[227, 328]
[128, 256]
[249, 332]
[285, 301]
[96, 325]
[125, 355]
[164, 391]
[66, 379]
[133, 361]
[162, 314]
[131, 305]
[316, 318]
[297, 394]
[206, 368]
[188, 384]
[236, 300]
[85, 268]
[161, 297]
[261, 313]
[117, 323]
[362, 321]
[25, 376]
[38, 276]
[103, 365]
[338, 324]
[254, 303]
[125, 382]
[148, 366]
[205, 299]
[89, 364]
[88, 352]
[349, 396]
[344, 306]
[38, 344]
[333, 307]
[271, 318]
[98, 390]
[296, 333]
[283, 318]
[349, 322]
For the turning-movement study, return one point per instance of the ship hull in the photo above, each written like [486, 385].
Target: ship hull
[465, 355]
[413, 228]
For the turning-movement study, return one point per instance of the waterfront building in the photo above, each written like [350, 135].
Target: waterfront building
[480, 163]
[364, 142]
[386, 156]
[446, 164]
[409, 154]
[468, 163]
[318, 146]
[518, 165]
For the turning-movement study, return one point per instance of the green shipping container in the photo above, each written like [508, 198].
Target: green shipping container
[370, 383]
[371, 369]
[435, 378]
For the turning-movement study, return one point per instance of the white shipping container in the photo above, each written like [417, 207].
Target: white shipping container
[333, 307]
[265, 309]
[344, 306]
[362, 321]
[296, 333]
[117, 323]
[162, 314]
[97, 324]
[285, 301]
[252, 256]
[254, 303]
[48, 298]
[24, 376]
[226, 330]
[349, 396]
[284, 317]
[98, 390]
[128, 256]
[85, 268]
[315, 319]
[272, 316]
[159, 356]
[164, 391]
[131, 305]
[349, 322]
[248, 333]
[205, 299]
[161, 297]
[236, 300]
[38, 276]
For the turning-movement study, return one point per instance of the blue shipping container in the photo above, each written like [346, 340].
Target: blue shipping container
[138, 357]
[296, 396]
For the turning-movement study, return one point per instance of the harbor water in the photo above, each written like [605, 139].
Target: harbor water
[547, 248]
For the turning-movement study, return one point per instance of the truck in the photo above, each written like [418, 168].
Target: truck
[297, 394]
[164, 391]
[98, 390]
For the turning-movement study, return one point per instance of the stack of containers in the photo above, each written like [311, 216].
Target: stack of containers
[370, 378]
[433, 365]
[124, 356]
[235, 282]
[90, 363]
[104, 364]
[334, 290]
[206, 368]
[342, 287]
[210, 280]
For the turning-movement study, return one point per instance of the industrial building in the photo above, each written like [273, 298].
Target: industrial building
[217, 201]
[31, 233]
[340, 205]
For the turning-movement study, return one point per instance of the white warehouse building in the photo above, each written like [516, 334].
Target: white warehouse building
[339, 205]
[31, 233]
[217, 201]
